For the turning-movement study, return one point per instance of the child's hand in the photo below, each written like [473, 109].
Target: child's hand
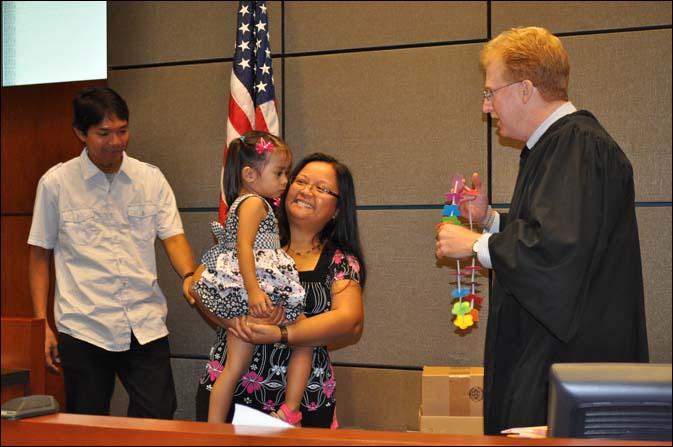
[259, 303]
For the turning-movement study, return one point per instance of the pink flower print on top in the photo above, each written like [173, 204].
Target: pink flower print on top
[339, 276]
[355, 265]
[328, 387]
[268, 406]
[252, 382]
[338, 256]
[214, 369]
[312, 406]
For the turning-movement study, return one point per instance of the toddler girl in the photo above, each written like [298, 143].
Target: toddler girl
[248, 272]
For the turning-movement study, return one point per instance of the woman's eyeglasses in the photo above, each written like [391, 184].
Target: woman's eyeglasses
[302, 183]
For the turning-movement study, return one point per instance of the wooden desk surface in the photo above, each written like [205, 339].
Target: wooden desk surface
[71, 429]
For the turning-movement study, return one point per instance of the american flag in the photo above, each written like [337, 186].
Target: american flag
[252, 96]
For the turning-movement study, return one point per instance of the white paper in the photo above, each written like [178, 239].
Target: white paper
[527, 432]
[248, 416]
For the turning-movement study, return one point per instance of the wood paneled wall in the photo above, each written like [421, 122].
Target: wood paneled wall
[36, 135]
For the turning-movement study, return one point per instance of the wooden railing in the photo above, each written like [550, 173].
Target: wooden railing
[23, 356]
[71, 429]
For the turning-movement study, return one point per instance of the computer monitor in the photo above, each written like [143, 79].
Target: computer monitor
[610, 401]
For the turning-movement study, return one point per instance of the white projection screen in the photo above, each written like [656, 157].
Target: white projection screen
[52, 41]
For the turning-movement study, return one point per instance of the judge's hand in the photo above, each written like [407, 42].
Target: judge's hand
[477, 205]
[454, 241]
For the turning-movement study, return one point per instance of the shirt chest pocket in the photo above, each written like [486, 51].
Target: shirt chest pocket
[79, 226]
[142, 220]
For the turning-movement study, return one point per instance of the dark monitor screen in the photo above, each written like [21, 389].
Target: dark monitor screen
[610, 401]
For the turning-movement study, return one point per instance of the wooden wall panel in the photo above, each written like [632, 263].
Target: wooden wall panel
[23, 348]
[36, 134]
[329, 25]
[164, 32]
[16, 301]
[179, 125]
[564, 17]
[408, 136]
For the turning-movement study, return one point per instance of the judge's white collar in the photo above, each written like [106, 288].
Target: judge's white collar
[566, 109]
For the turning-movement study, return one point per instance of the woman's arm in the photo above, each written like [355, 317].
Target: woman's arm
[343, 322]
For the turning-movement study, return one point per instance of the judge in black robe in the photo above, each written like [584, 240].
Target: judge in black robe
[568, 281]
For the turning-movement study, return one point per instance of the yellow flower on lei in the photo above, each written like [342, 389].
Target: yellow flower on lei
[463, 321]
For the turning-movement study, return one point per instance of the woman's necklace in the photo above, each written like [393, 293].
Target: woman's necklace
[304, 254]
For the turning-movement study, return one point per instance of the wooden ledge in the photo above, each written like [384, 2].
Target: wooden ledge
[72, 429]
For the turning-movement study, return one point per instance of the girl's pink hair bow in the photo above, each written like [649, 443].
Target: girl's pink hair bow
[263, 146]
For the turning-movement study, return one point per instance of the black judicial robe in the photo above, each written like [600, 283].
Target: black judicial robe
[568, 281]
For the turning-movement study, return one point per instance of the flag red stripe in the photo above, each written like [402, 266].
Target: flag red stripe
[238, 118]
[260, 122]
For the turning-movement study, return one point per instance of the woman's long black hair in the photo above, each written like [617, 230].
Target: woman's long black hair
[342, 231]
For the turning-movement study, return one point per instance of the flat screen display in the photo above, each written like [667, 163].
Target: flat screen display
[610, 401]
[45, 42]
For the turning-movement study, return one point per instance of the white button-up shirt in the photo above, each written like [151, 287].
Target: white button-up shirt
[103, 238]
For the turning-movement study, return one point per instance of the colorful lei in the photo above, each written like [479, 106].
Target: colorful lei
[466, 302]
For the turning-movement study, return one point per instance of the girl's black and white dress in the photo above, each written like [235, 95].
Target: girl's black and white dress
[221, 286]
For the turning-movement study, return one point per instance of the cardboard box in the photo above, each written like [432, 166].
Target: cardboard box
[457, 425]
[452, 391]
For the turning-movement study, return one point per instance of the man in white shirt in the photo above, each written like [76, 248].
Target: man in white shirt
[99, 215]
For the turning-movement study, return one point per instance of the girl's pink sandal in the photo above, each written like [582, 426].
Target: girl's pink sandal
[288, 415]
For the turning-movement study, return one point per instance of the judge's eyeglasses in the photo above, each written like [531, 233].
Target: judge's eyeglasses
[490, 93]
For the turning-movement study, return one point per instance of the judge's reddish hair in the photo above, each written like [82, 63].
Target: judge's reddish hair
[531, 53]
